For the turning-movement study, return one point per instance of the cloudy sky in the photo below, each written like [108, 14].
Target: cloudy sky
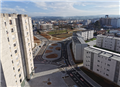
[61, 7]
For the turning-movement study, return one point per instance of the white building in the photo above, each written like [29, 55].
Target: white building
[78, 46]
[87, 34]
[45, 26]
[102, 62]
[108, 42]
[16, 49]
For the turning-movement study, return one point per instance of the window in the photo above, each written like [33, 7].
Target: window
[15, 51]
[108, 64]
[12, 61]
[3, 15]
[14, 45]
[13, 68]
[107, 69]
[10, 22]
[19, 75]
[18, 70]
[98, 65]
[20, 80]
[6, 32]
[107, 75]
[98, 60]
[11, 55]
[12, 30]
[97, 69]
[5, 23]
[8, 39]
[27, 33]
[109, 59]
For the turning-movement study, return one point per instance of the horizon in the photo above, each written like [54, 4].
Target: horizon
[61, 8]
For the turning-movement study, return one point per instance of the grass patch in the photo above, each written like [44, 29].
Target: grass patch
[62, 35]
[55, 32]
[90, 40]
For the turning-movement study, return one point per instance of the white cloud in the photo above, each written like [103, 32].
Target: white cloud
[13, 10]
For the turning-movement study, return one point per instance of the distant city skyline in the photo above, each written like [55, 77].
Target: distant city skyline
[61, 7]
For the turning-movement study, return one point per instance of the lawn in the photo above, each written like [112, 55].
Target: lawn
[57, 32]
[63, 35]
[90, 40]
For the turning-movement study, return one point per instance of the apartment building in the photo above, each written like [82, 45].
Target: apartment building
[86, 34]
[16, 49]
[78, 46]
[102, 62]
[108, 42]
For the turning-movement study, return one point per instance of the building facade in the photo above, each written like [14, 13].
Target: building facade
[108, 42]
[87, 34]
[102, 62]
[78, 46]
[16, 49]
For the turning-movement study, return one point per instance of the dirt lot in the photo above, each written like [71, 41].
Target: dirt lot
[53, 44]
[52, 56]
[51, 47]
[48, 51]
[57, 48]
[45, 35]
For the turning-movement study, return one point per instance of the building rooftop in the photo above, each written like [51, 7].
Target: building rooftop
[112, 55]
[75, 39]
[81, 40]
[106, 54]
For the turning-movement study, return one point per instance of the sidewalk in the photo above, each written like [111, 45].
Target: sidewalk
[38, 48]
[87, 78]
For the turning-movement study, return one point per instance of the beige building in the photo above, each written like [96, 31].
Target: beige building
[16, 43]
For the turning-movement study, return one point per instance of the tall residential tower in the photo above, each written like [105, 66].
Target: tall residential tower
[16, 48]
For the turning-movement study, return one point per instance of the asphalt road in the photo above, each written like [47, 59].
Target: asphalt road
[77, 78]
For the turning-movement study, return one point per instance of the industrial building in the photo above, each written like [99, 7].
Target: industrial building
[78, 46]
[102, 62]
[16, 49]
[108, 42]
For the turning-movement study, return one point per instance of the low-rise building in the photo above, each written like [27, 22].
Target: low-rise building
[102, 62]
[78, 46]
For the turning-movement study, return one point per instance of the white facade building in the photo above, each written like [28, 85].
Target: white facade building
[16, 49]
[78, 46]
[87, 34]
[108, 42]
[102, 62]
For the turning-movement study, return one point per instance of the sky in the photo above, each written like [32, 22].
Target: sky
[61, 7]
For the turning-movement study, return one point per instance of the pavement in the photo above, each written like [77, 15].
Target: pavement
[45, 73]
[92, 43]
[87, 78]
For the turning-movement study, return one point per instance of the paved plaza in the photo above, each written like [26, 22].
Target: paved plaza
[45, 73]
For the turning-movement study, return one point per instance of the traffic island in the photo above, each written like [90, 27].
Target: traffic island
[53, 52]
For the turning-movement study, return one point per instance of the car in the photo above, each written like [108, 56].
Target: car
[81, 79]
[71, 75]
